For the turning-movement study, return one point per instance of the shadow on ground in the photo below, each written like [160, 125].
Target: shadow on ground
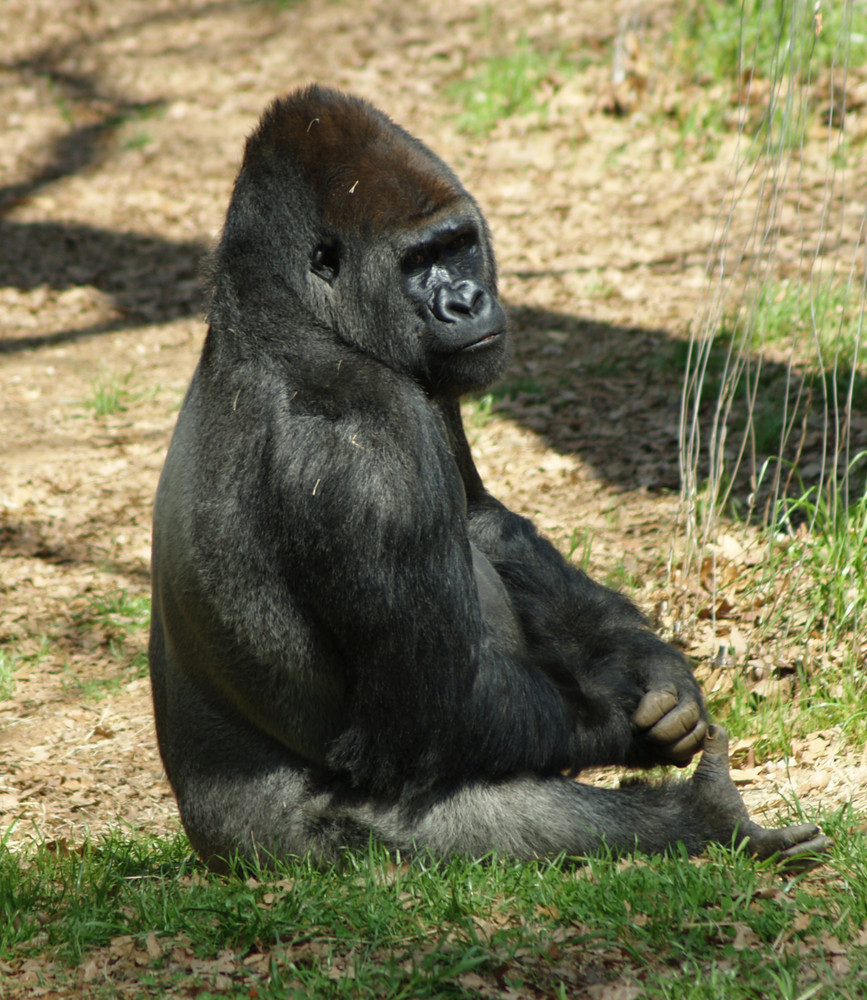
[147, 280]
[610, 394]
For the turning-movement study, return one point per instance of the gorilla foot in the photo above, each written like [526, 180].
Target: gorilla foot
[719, 805]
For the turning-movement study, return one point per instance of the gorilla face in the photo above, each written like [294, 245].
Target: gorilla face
[463, 336]
[423, 301]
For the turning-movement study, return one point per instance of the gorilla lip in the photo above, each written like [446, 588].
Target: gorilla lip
[487, 340]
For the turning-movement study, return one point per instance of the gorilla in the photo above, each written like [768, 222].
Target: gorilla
[351, 638]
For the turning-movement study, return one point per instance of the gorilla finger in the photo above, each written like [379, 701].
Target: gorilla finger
[677, 723]
[682, 752]
[653, 706]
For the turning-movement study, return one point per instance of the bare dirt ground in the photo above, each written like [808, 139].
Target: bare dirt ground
[124, 123]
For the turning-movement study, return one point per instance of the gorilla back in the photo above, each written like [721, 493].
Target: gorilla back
[350, 635]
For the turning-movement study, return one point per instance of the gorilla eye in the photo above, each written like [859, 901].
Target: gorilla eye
[416, 259]
[459, 243]
[325, 262]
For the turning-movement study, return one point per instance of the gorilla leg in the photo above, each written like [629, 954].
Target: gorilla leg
[291, 811]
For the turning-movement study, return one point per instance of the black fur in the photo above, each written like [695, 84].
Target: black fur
[350, 635]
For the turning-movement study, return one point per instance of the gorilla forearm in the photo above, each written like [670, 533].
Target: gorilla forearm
[595, 644]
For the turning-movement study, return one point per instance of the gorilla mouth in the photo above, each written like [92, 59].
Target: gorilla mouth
[482, 342]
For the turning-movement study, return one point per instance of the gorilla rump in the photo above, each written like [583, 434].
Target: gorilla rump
[350, 635]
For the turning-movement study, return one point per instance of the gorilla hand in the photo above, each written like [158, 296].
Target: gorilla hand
[673, 721]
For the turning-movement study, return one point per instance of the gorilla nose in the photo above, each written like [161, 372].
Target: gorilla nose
[454, 303]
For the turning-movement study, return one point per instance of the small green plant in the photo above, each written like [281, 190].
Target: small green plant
[580, 541]
[120, 619]
[110, 393]
[129, 123]
[478, 409]
[519, 387]
[8, 662]
[507, 85]
[121, 610]
[87, 688]
[699, 128]
[138, 140]
[125, 617]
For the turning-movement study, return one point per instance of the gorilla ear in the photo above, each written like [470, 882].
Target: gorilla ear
[325, 262]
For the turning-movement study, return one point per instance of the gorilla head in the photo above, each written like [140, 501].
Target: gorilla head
[371, 235]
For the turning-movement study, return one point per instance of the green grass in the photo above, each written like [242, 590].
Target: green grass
[834, 549]
[699, 129]
[770, 59]
[132, 132]
[110, 393]
[121, 611]
[826, 699]
[811, 591]
[8, 662]
[580, 543]
[140, 139]
[133, 917]
[782, 357]
[507, 85]
[716, 39]
[780, 374]
[820, 328]
[16, 655]
[118, 621]
[477, 410]
[727, 372]
[821, 324]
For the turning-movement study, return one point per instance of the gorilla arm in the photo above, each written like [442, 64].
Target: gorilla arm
[376, 540]
[633, 697]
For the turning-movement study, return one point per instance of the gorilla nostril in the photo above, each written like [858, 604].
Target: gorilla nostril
[454, 303]
[449, 307]
[461, 306]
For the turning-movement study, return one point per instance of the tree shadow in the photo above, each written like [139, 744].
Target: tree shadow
[613, 396]
[27, 538]
[610, 394]
[148, 280]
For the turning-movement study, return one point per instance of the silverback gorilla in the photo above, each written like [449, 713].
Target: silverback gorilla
[351, 636]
